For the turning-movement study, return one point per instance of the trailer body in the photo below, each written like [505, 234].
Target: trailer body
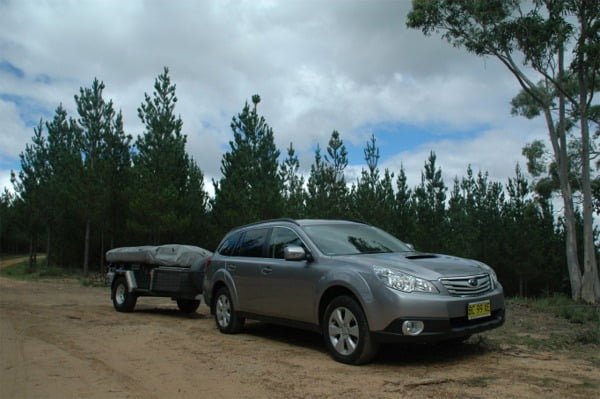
[175, 271]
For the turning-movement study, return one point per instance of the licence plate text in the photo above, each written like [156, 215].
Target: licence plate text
[477, 310]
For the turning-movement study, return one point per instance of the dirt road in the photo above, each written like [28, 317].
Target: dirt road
[61, 340]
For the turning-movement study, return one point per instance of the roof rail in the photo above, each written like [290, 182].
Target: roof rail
[289, 220]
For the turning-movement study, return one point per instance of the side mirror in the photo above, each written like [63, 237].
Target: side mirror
[412, 247]
[294, 252]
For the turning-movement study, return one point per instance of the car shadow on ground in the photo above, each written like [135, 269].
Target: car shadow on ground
[437, 352]
[389, 354]
[171, 312]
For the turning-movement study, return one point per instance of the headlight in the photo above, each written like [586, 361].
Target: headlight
[402, 281]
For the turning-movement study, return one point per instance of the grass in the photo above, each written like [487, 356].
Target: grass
[552, 323]
[21, 271]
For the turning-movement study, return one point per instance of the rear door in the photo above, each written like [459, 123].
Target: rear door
[244, 268]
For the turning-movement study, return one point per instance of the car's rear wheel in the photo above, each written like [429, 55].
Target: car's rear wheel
[227, 319]
[123, 300]
[188, 305]
[346, 332]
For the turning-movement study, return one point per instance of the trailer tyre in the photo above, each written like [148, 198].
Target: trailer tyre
[188, 305]
[123, 300]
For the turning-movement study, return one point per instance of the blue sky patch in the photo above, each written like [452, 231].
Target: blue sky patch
[394, 138]
[30, 110]
[8, 68]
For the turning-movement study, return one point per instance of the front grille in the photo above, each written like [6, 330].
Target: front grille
[467, 286]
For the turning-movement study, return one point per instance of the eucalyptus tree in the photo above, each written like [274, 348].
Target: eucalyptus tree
[536, 35]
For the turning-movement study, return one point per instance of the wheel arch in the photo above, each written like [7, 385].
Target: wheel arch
[334, 292]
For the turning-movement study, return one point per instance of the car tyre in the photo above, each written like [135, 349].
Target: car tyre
[188, 305]
[346, 332]
[227, 319]
[123, 300]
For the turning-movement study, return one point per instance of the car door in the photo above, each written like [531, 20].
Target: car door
[286, 288]
[244, 268]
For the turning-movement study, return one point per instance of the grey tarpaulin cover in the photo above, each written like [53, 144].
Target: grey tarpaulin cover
[162, 255]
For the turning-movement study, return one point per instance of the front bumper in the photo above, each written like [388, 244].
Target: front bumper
[440, 329]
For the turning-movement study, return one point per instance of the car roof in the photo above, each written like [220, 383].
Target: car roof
[297, 222]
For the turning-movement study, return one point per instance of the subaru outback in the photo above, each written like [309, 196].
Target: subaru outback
[354, 283]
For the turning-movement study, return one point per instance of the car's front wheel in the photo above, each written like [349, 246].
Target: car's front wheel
[228, 321]
[346, 332]
[123, 300]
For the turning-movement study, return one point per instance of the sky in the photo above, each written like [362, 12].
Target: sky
[319, 66]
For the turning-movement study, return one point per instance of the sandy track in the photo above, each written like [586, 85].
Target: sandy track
[62, 340]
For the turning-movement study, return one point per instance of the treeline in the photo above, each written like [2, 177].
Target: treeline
[86, 186]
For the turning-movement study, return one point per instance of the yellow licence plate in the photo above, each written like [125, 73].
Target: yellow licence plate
[477, 310]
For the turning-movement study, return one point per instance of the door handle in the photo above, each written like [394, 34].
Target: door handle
[266, 270]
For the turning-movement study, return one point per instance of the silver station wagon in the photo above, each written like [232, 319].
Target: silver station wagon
[354, 283]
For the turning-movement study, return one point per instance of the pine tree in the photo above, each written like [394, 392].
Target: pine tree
[373, 196]
[162, 170]
[101, 148]
[328, 193]
[251, 186]
[430, 206]
[404, 210]
[293, 185]
[32, 188]
[67, 184]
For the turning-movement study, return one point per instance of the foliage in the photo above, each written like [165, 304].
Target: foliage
[251, 185]
[166, 196]
[530, 39]
[327, 189]
[153, 192]
[293, 185]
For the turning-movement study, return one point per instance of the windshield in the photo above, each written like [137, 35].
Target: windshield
[353, 239]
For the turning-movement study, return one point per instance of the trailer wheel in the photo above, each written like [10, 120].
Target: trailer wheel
[188, 305]
[123, 300]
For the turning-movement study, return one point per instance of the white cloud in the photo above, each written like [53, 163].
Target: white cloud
[496, 151]
[5, 181]
[13, 132]
[318, 66]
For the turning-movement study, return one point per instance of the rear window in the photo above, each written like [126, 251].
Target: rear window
[228, 246]
[252, 243]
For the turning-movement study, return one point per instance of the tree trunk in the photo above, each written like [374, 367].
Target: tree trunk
[101, 252]
[590, 285]
[48, 248]
[32, 252]
[86, 251]
[560, 156]
[559, 142]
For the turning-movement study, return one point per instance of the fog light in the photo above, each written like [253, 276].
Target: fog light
[412, 327]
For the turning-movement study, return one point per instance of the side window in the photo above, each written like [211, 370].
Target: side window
[252, 243]
[280, 238]
[228, 246]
